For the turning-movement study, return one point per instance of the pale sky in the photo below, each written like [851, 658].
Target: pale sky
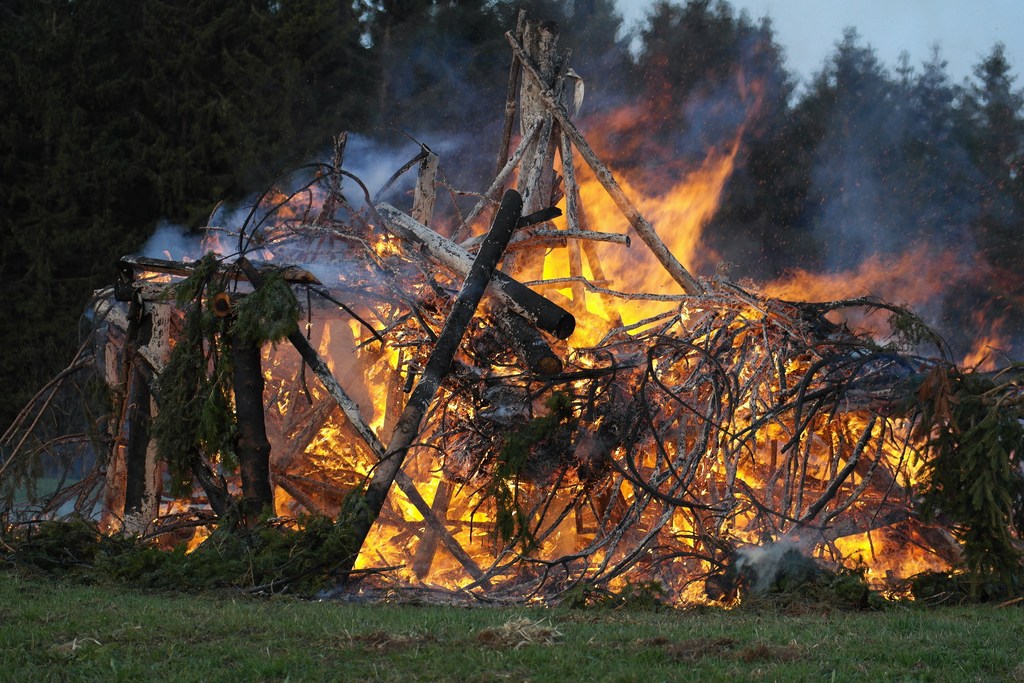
[965, 30]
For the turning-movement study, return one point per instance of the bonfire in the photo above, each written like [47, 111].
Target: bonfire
[529, 396]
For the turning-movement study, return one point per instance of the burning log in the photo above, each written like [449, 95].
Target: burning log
[531, 348]
[505, 222]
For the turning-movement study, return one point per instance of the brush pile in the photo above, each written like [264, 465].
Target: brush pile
[648, 452]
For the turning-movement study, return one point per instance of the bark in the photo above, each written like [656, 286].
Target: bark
[572, 219]
[529, 345]
[252, 444]
[425, 194]
[537, 174]
[510, 104]
[140, 462]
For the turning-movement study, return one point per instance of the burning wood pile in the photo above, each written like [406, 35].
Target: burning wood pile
[552, 431]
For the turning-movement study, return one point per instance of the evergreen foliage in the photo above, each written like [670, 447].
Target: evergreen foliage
[268, 314]
[973, 473]
[196, 417]
[297, 557]
[511, 521]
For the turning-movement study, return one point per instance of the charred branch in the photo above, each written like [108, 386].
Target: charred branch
[529, 345]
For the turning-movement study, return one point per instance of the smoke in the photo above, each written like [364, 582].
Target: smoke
[760, 568]
[173, 242]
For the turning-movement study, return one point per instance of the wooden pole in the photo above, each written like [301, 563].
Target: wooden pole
[572, 220]
[425, 194]
[140, 457]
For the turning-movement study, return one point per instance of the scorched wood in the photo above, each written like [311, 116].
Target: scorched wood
[529, 345]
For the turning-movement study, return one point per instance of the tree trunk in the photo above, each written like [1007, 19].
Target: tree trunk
[252, 445]
[140, 492]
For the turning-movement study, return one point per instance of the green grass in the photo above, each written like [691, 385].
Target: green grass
[51, 630]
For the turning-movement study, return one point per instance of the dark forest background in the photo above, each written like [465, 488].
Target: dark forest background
[115, 116]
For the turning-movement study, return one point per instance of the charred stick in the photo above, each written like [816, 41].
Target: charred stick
[135, 430]
[548, 238]
[572, 216]
[520, 298]
[514, 74]
[833, 487]
[577, 234]
[604, 175]
[141, 478]
[528, 344]
[437, 367]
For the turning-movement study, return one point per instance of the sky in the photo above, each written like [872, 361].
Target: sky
[965, 30]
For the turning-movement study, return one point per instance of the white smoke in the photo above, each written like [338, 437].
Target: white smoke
[172, 242]
[764, 566]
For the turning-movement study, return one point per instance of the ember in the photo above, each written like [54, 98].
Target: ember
[605, 417]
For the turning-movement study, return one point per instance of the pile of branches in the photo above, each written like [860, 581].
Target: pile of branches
[730, 418]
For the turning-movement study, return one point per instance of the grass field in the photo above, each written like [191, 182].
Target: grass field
[59, 631]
